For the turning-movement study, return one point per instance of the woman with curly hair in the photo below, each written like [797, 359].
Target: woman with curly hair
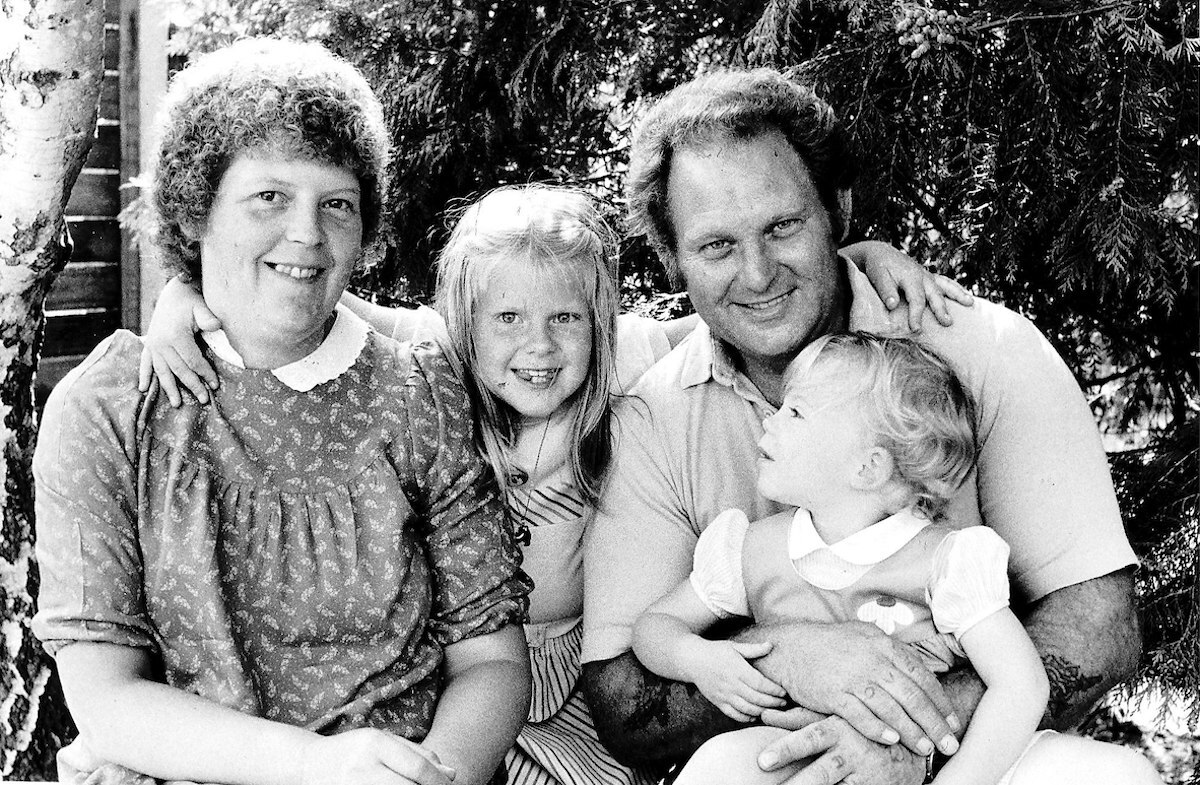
[311, 579]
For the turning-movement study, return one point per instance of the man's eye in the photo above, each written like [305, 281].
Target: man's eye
[785, 228]
[268, 196]
[716, 248]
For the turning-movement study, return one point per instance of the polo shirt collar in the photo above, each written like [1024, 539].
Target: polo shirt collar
[331, 359]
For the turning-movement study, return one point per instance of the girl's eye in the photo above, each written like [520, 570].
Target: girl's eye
[566, 318]
[508, 317]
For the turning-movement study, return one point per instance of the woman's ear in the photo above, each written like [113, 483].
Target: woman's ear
[874, 470]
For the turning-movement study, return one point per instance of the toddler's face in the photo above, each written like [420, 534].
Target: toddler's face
[533, 338]
[811, 447]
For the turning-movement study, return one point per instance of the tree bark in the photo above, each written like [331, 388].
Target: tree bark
[51, 65]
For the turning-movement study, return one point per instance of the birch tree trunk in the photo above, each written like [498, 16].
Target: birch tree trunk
[51, 65]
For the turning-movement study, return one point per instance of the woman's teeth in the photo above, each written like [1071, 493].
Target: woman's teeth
[299, 273]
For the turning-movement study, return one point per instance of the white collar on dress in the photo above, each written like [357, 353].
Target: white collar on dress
[835, 567]
[331, 359]
[867, 547]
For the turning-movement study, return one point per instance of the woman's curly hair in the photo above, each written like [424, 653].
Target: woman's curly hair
[286, 97]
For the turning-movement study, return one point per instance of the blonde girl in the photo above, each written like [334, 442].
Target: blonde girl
[527, 304]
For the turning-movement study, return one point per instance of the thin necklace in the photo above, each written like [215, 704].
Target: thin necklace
[517, 479]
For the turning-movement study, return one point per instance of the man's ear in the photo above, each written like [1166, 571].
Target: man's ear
[845, 209]
[874, 469]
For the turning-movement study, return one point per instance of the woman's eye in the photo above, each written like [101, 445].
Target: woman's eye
[342, 205]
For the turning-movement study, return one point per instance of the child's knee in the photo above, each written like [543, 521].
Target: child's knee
[732, 758]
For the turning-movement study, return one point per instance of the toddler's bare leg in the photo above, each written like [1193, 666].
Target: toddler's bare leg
[732, 759]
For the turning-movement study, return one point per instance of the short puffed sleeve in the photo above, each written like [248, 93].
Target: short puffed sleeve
[717, 565]
[969, 580]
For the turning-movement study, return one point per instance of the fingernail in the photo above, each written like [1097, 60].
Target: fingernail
[768, 759]
[892, 302]
[890, 736]
[924, 746]
[949, 745]
[954, 723]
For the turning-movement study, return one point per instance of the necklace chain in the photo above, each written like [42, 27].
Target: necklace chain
[519, 478]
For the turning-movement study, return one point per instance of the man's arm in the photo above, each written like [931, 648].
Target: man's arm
[645, 719]
[1088, 638]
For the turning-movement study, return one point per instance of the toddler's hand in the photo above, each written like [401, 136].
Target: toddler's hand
[367, 756]
[721, 672]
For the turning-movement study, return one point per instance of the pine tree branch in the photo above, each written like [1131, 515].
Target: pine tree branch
[1043, 17]
[1122, 374]
[931, 215]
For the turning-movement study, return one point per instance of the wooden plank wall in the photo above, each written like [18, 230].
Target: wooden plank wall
[85, 304]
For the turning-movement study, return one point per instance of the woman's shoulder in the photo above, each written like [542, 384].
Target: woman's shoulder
[420, 367]
[109, 373]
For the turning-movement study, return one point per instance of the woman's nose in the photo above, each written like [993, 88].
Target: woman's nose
[304, 225]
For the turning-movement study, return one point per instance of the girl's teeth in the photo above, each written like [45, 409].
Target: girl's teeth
[537, 377]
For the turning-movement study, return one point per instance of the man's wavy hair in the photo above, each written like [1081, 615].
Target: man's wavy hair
[738, 106]
[913, 404]
[286, 97]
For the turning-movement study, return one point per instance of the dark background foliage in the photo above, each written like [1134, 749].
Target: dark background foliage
[1045, 154]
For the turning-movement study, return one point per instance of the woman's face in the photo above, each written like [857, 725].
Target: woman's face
[277, 251]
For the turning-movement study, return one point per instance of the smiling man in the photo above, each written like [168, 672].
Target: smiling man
[741, 180]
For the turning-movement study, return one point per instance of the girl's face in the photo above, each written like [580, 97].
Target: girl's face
[811, 447]
[532, 337]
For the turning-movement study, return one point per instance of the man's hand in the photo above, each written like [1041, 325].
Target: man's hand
[842, 755]
[857, 672]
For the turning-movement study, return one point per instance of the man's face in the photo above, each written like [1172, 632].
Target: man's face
[756, 248]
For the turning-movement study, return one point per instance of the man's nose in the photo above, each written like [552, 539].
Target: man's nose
[758, 266]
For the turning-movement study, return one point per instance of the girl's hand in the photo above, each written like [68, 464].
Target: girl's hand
[895, 275]
[371, 757]
[169, 348]
[723, 675]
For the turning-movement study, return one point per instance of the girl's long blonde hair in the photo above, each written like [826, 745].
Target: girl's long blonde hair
[559, 230]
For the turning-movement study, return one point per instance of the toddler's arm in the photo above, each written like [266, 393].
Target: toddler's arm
[666, 639]
[1012, 704]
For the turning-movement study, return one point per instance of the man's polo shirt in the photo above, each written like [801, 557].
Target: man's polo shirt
[686, 450]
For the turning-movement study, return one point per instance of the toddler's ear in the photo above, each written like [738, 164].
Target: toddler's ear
[874, 469]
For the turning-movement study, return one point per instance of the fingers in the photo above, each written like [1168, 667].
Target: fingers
[145, 369]
[166, 379]
[171, 370]
[413, 762]
[794, 718]
[813, 740]
[954, 290]
[889, 291]
[206, 320]
[752, 651]
[864, 720]
[922, 700]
